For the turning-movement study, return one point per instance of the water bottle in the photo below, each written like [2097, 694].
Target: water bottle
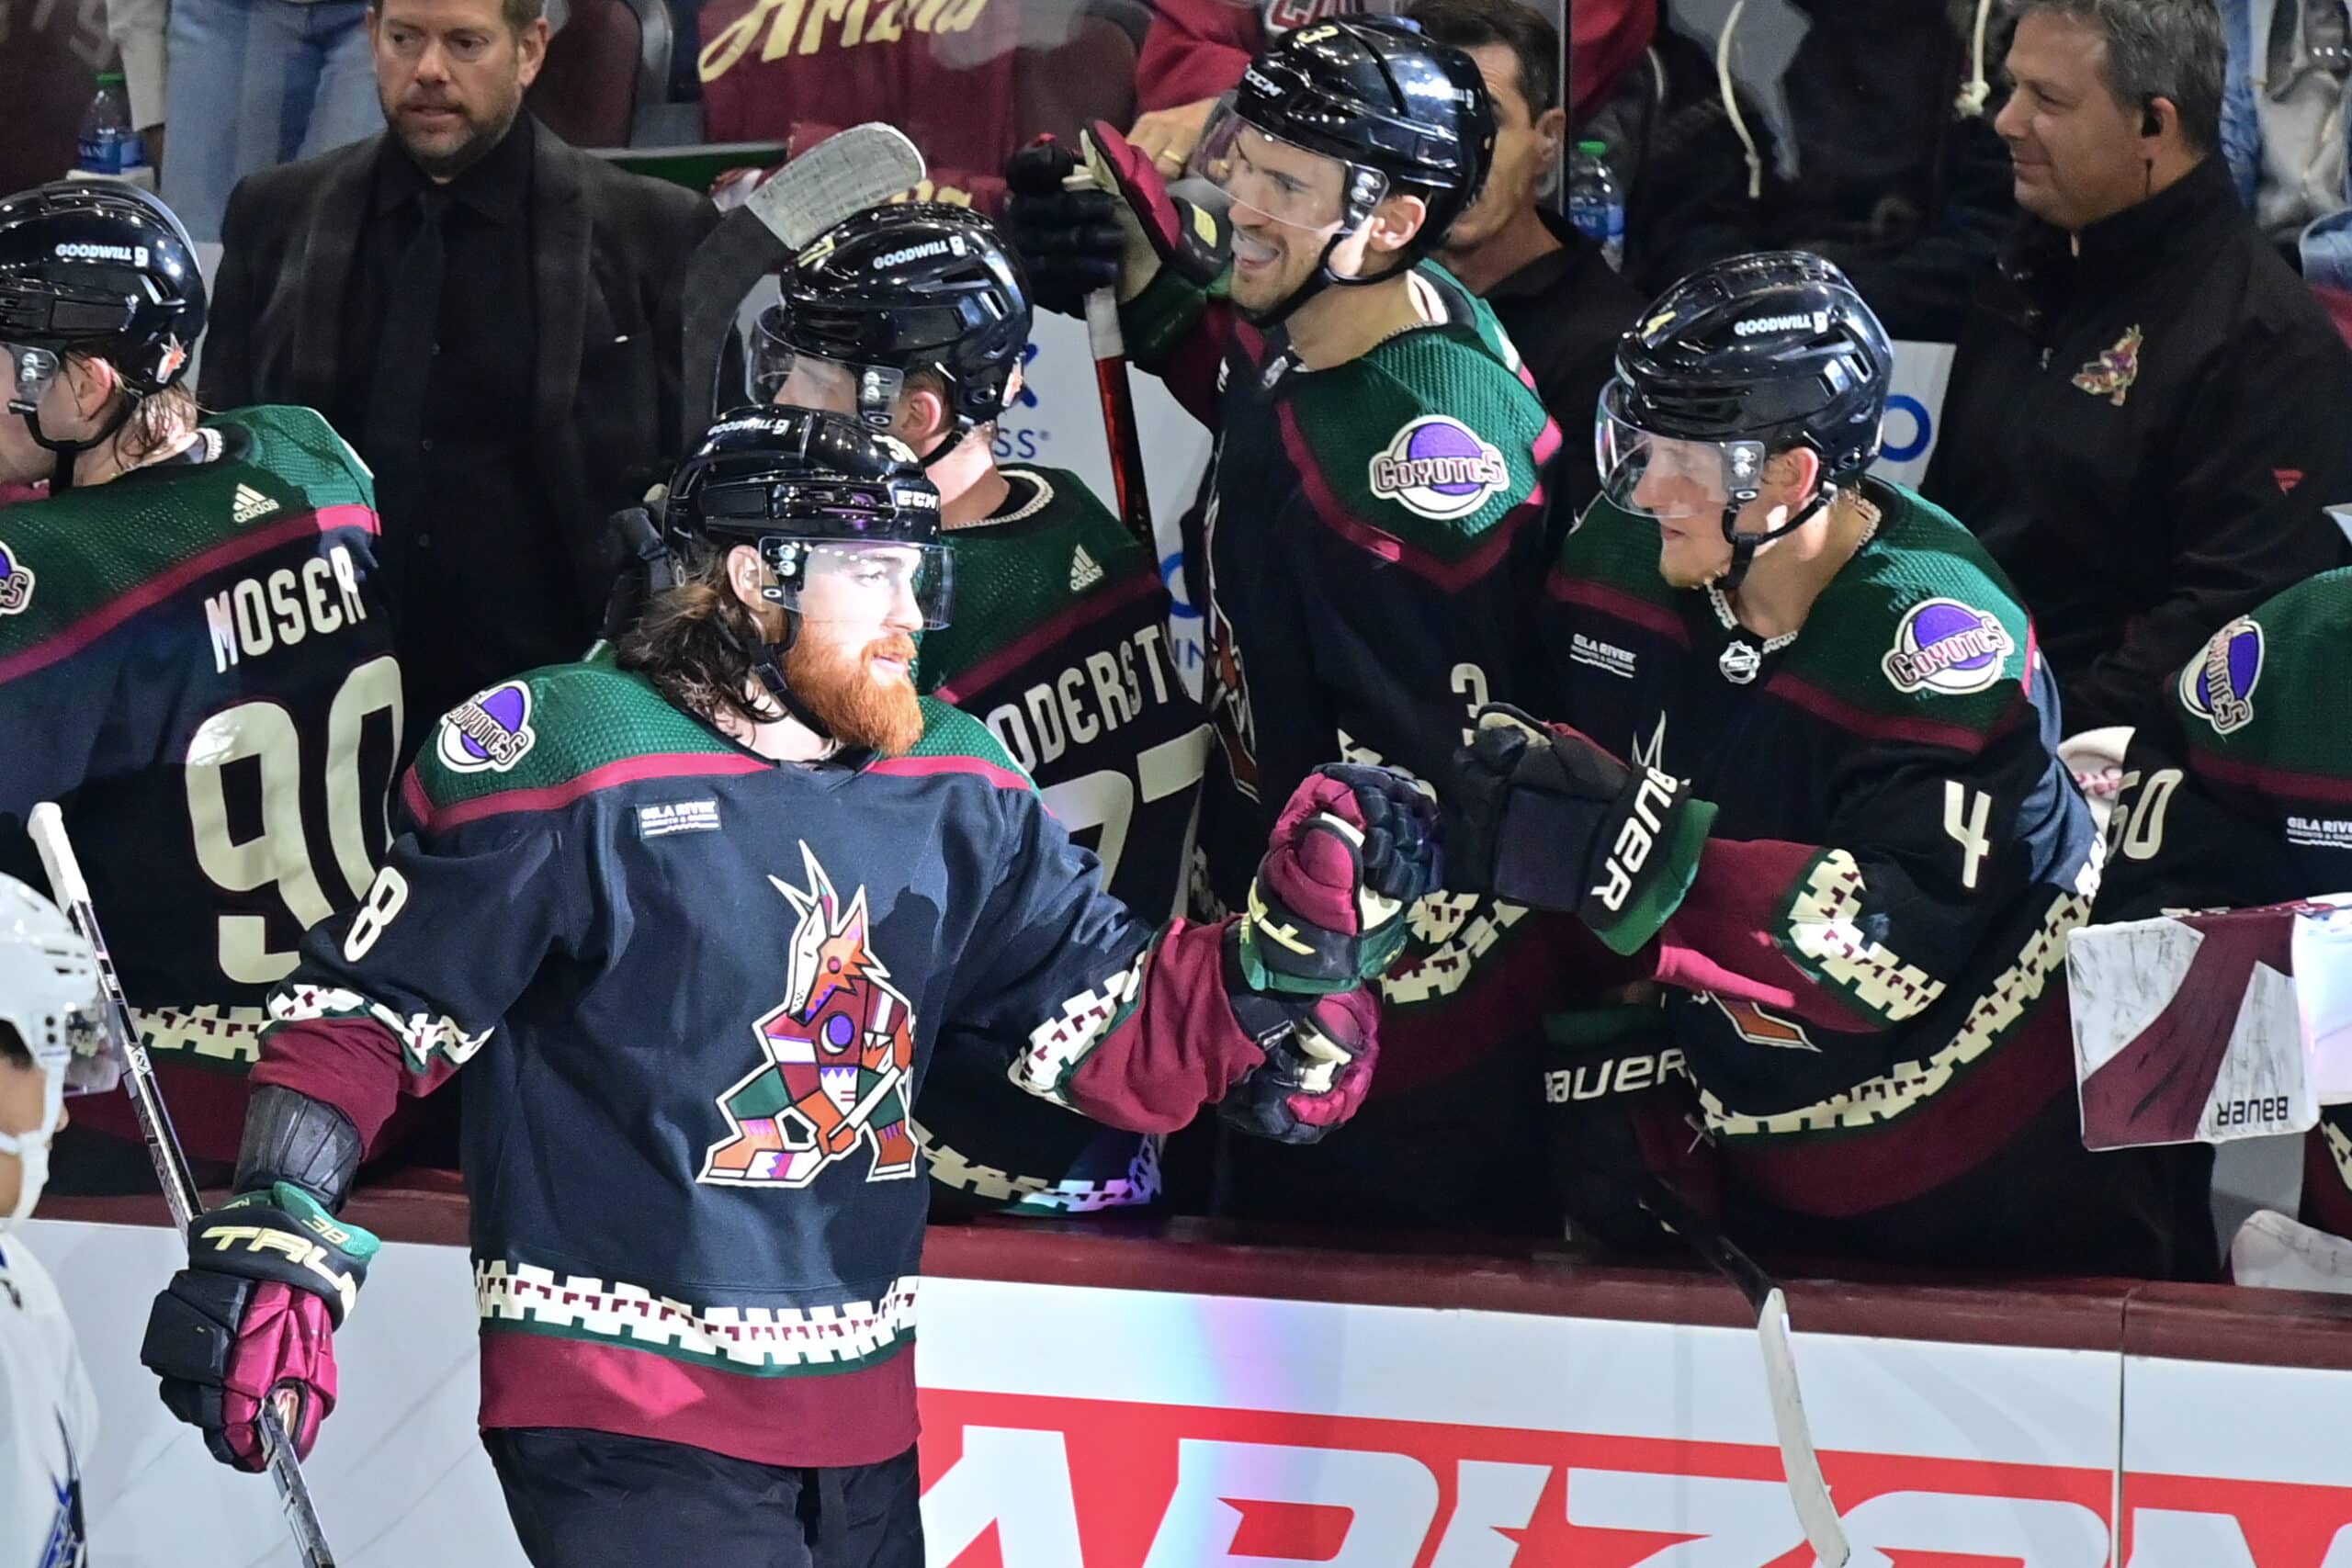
[110, 146]
[1595, 201]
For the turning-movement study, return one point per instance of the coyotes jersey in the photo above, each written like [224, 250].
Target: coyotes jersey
[1059, 644]
[48, 1418]
[1866, 978]
[2241, 794]
[196, 663]
[699, 993]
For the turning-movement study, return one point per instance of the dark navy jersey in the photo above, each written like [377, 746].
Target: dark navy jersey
[701, 993]
[1867, 978]
[1059, 644]
[196, 663]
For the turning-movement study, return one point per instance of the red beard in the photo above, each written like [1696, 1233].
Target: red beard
[859, 707]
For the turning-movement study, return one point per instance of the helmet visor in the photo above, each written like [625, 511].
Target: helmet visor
[872, 584]
[1665, 476]
[1282, 181]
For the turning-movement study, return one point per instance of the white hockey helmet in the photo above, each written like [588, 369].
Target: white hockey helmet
[49, 995]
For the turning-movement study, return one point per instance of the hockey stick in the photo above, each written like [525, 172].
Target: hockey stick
[1119, 429]
[47, 826]
[1800, 1465]
[839, 177]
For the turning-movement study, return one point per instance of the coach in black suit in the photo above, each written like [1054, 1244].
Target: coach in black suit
[489, 316]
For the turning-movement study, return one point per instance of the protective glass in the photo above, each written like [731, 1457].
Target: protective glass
[1668, 477]
[1282, 181]
[829, 580]
[95, 1064]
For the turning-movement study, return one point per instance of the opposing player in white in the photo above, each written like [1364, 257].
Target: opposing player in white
[50, 1015]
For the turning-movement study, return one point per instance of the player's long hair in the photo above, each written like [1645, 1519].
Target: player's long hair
[695, 643]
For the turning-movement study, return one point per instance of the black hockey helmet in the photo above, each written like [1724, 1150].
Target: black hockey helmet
[906, 287]
[1398, 111]
[813, 492]
[100, 268]
[1751, 356]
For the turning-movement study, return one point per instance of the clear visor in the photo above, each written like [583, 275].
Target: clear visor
[1667, 476]
[25, 375]
[886, 585]
[781, 373]
[1282, 181]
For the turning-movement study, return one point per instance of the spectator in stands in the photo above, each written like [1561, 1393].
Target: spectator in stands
[491, 316]
[1197, 49]
[242, 85]
[1561, 302]
[2144, 421]
[2283, 106]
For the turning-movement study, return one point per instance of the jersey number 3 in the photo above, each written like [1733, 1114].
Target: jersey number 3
[239, 856]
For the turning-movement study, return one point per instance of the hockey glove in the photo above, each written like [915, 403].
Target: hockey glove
[1112, 232]
[1542, 816]
[1353, 850]
[1319, 1057]
[270, 1276]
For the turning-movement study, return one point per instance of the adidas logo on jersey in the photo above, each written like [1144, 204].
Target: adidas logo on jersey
[250, 503]
[1084, 571]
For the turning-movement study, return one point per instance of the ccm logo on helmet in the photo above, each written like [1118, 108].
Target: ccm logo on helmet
[1635, 838]
[134, 255]
[1817, 320]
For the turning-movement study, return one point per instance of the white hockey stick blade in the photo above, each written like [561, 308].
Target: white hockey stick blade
[840, 177]
[1810, 1494]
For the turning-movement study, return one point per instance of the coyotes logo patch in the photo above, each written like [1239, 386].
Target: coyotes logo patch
[835, 1058]
[2111, 374]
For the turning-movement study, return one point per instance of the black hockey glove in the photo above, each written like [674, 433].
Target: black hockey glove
[1074, 242]
[270, 1276]
[1353, 850]
[1542, 816]
[1319, 1056]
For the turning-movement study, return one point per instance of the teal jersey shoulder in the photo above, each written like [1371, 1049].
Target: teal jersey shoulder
[553, 726]
[2270, 688]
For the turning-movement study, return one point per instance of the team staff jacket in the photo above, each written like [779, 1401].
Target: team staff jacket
[700, 992]
[1866, 978]
[2145, 425]
[2241, 794]
[196, 663]
[1060, 646]
[1366, 547]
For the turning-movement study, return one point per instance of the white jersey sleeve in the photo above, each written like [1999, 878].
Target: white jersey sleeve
[48, 1420]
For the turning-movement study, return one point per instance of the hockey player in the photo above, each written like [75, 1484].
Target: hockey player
[1366, 545]
[2236, 798]
[703, 921]
[194, 652]
[1839, 835]
[51, 1019]
[916, 317]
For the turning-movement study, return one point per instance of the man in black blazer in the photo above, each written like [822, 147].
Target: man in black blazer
[490, 317]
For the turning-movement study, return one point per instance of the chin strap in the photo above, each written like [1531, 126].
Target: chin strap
[26, 405]
[1326, 278]
[1744, 545]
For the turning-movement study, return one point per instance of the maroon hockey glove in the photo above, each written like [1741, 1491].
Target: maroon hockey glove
[1319, 1058]
[1074, 242]
[1353, 850]
[270, 1277]
[1541, 815]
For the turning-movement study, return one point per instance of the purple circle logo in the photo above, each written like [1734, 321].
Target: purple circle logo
[16, 584]
[1438, 467]
[1946, 645]
[2219, 687]
[493, 732]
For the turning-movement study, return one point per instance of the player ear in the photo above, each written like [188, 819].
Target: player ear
[922, 417]
[1396, 219]
[745, 575]
[91, 382]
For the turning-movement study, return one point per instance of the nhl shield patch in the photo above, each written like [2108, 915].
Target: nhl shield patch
[490, 733]
[16, 582]
[1439, 467]
[2219, 688]
[1945, 645]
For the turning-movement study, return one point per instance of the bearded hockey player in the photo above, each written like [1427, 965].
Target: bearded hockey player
[194, 653]
[1811, 790]
[706, 919]
[916, 317]
[2238, 796]
[1367, 542]
[51, 1019]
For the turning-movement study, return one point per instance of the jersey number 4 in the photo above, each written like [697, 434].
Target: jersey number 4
[245, 853]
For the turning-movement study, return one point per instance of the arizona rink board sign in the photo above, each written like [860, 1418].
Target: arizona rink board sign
[1071, 1426]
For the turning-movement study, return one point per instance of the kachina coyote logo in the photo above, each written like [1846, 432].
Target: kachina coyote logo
[835, 1058]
